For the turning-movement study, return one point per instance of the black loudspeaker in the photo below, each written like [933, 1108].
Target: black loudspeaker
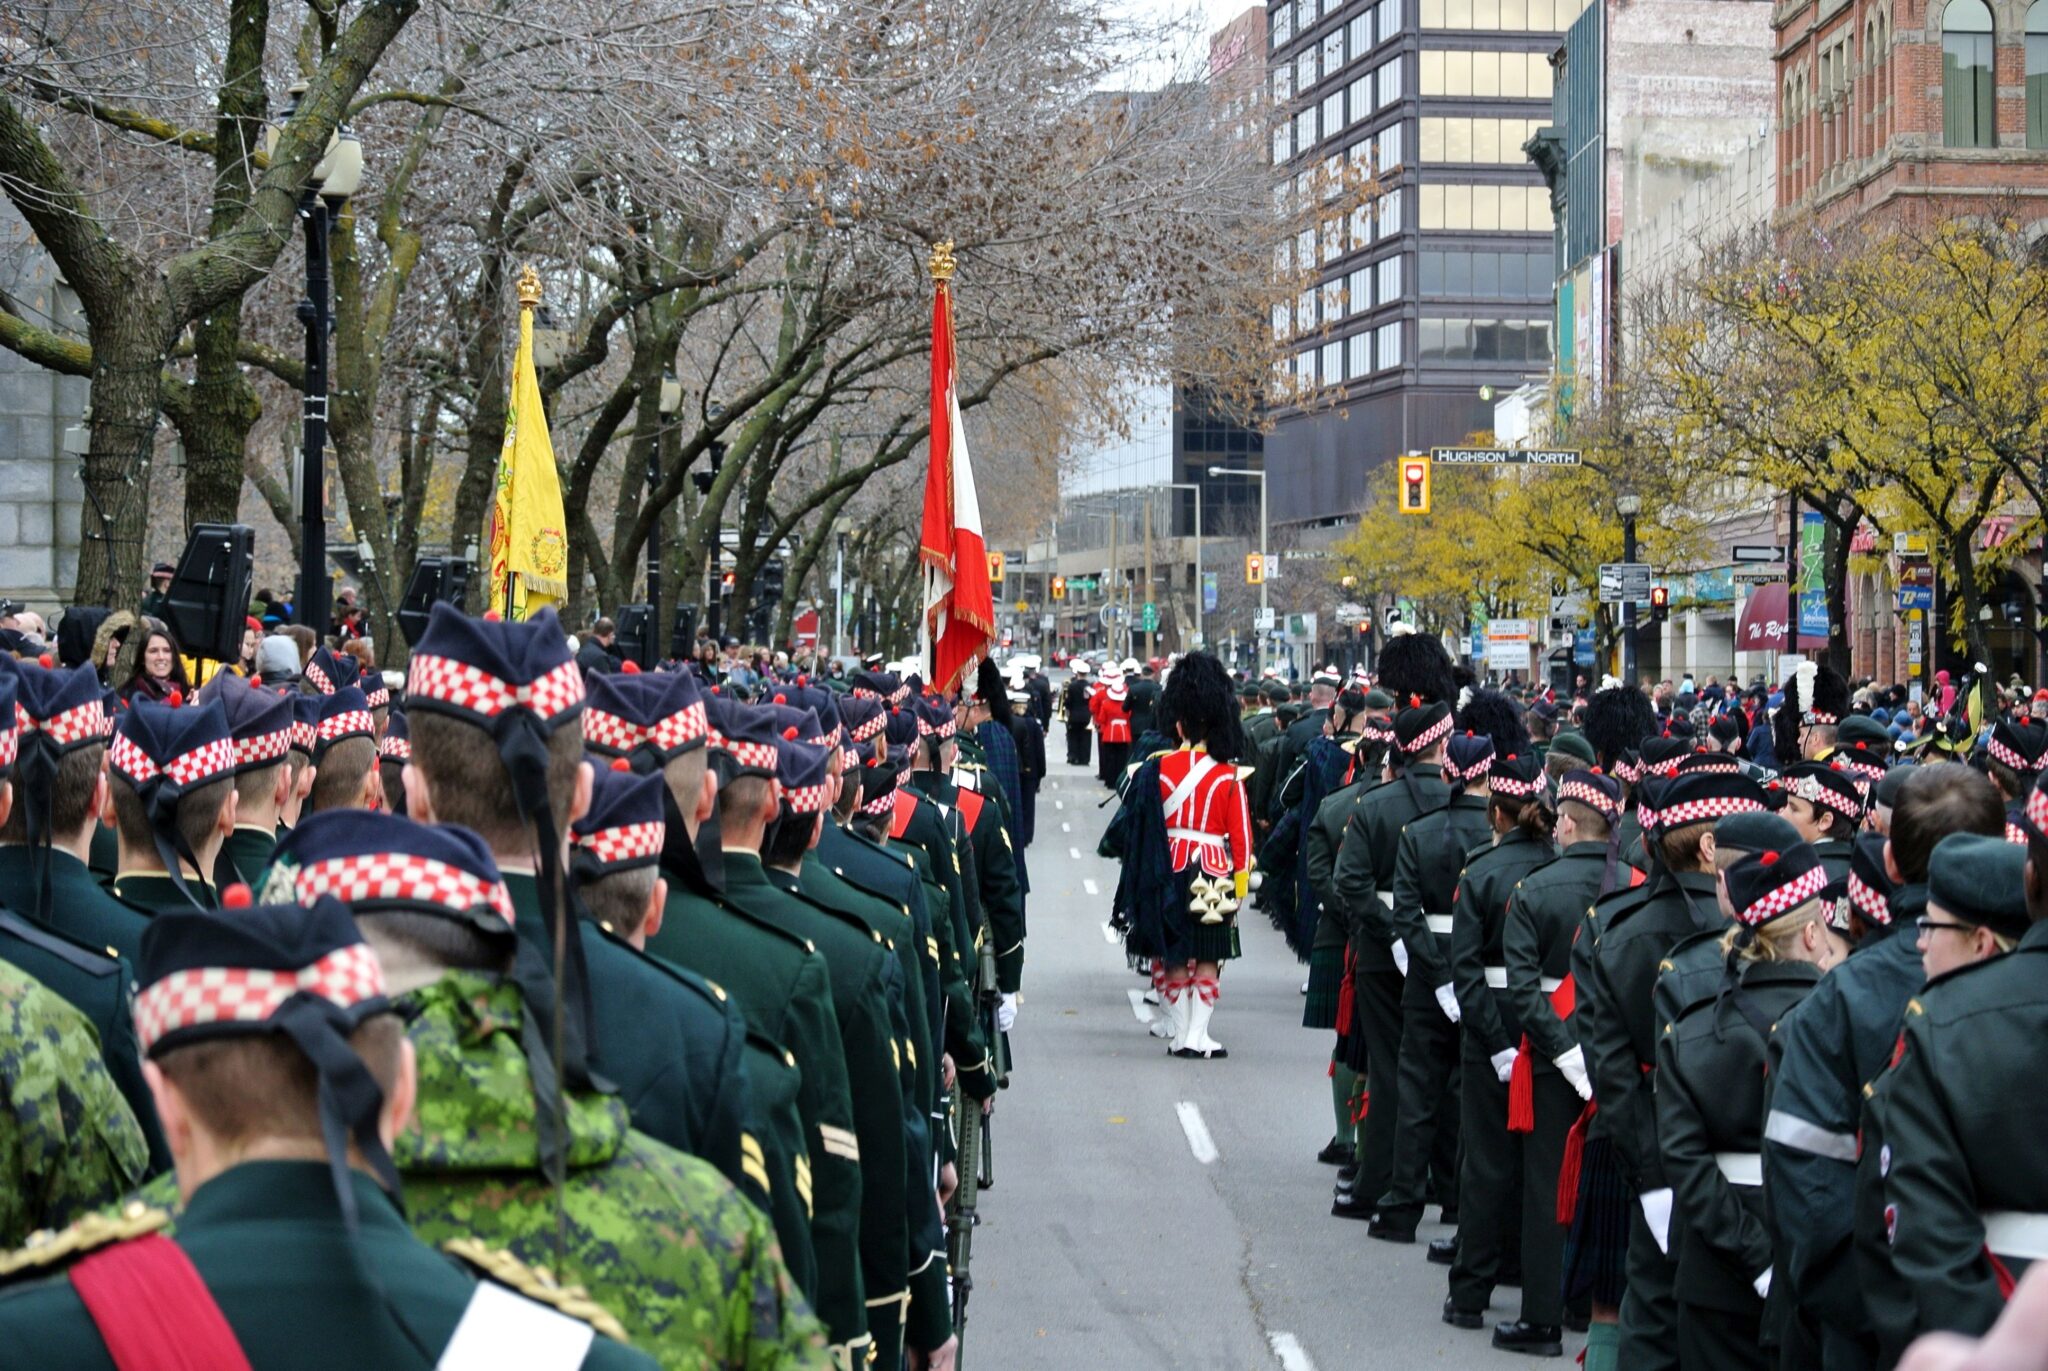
[433, 579]
[635, 640]
[682, 640]
[208, 602]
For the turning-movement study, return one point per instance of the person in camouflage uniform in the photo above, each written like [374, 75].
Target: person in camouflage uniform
[657, 1237]
[68, 1142]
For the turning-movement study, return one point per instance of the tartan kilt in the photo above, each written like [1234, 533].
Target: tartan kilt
[1213, 942]
[1325, 987]
[1596, 1248]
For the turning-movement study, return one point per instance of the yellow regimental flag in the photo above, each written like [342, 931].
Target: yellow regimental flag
[529, 533]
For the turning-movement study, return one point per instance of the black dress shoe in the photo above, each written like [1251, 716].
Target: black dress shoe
[1387, 1232]
[1530, 1339]
[1336, 1154]
[1347, 1175]
[1443, 1251]
[1464, 1318]
[1577, 1322]
[1348, 1208]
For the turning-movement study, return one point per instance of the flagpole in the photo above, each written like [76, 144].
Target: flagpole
[940, 263]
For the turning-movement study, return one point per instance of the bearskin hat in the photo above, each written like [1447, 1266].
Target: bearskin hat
[1494, 714]
[1416, 664]
[1616, 720]
[990, 690]
[1198, 698]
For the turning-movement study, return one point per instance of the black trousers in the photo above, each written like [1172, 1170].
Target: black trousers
[1507, 1193]
[1426, 1137]
[1114, 756]
[1027, 814]
[1719, 1339]
[1377, 1001]
[1649, 1309]
[1078, 745]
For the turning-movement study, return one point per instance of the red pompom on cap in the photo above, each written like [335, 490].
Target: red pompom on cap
[630, 667]
[45, 660]
[1768, 859]
[491, 616]
[780, 698]
[790, 733]
[621, 764]
[236, 896]
[175, 697]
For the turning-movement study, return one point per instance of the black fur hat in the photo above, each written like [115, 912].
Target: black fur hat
[990, 690]
[1494, 714]
[1616, 720]
[1198, 697]
[1416, 664]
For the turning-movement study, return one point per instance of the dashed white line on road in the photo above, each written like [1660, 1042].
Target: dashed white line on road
[1059, 804]
[1139, 1007]
[1066, 828]
[1090, 886]
[1075, 853]
[1110, 935]
[1199, 1141]
[1288, 1349]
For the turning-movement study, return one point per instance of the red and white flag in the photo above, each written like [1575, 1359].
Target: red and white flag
[959, 610]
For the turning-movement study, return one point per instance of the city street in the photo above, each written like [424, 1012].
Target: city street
[1156, 1213]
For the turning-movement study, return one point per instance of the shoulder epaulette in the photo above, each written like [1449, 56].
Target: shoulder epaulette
[51, 1247]
[680, 975]
[87, 958]
[507, 1270]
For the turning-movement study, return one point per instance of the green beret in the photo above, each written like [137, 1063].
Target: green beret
[1378, 699]
[1754, 831]
[1277, 691]
[1248, 691]
[1573, 744]
[1894, 781]
[1980, 880]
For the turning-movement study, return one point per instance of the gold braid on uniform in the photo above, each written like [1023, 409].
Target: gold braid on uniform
[48, 1247]
[537, 1284]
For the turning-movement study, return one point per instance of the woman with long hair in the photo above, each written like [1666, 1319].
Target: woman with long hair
[155, 671]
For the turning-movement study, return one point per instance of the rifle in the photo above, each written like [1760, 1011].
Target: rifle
[962, 1221]
[998, 1062]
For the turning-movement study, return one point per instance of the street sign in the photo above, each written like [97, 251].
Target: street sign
[1909, 545]
[1504, 456]
[1511, 632]
[1045, 623]
[1916, 597]
[1752, 552]
[1110, 615]
[1148, 617]
[1621, 582]
[1208, 592]
[1086, 583]
[1757, 573]
[1263, 619]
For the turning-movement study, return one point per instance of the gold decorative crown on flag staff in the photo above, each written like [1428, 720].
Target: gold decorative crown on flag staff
[529, 287]
[942, 261]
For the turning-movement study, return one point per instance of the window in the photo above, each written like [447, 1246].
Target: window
[1496, 142]
[1305, 369]
[1968, 96]
[2037, 74]
[1333, 363]
[1390, 83]
[1333, 175]
[1358, 355]
[1305, 249]
[1389, 147]
[1333, 239]
[1333, 51]
[1305, 311]
[1283, 141]
[1283, 84]
[1361, 291]
[1283, 24]
[1283, 323]
[1360, 30]
[1306, 14]
[1389, 345]
[1389, 274]
[1520, 341]
[1305, 70]
[1508, 16]
[1513, 75]
[1387, 19]
[1360, 91]
[1305, 130]
[1390, 212]
[1508, 209]
[1361, 225]
[1333, 111]
[1283, 259]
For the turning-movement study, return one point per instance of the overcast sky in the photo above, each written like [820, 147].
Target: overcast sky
[1195, 21]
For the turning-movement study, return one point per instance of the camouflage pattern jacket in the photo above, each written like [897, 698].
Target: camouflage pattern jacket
[660, 1239]
[68, 1141]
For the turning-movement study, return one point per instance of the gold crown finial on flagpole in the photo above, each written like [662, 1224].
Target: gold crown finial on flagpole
[942, 261]
[529, 287]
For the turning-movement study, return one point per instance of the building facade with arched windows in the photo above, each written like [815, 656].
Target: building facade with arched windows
[1910, 108]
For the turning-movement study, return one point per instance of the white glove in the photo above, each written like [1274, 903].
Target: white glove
[1401, 956]
[1657, 1211]
[1006, 1012]
[1763, 1284]
[1573, 1065]
[1447, 997]
[1503, 1063]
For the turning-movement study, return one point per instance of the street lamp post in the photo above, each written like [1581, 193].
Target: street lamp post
[1264, 560]
[335, 177]
[671, 402]
[1629, 506]
[1195, 487]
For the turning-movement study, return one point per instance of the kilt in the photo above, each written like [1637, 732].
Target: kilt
[1325, 987]
[1214, 942]
[1596, 1249]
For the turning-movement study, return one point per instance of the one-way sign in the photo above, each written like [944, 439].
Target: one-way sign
[1621, 582]
[1751, 552]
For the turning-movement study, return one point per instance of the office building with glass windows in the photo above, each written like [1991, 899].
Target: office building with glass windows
[1430, 277]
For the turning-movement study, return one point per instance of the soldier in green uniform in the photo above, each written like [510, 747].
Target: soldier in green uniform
[1824, 801]
[394, 750]
[292, 1251]
[347, 775]
[69, 1143]
[1836, 1041]
[260, 722]
[1710, 1105]
[779, 981]
[1548, 1079]
[172, 802]
[496, 716]
[1491, 1180]
[305, 738]
[482, 1154]
[991, 871]
[1430, 856]
[1638, 929]
[866, 982]
[1363, 881]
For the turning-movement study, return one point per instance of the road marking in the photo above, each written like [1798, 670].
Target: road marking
[1066, 827]
[1142, 1010]
[1089, 886]
[1288, 1349]
[1199, 1141]
[1110, 935]
[1059, 804]
[1075, 853]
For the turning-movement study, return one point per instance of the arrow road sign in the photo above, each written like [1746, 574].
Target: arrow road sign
[1751, 552]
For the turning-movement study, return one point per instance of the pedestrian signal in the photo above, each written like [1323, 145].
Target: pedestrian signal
[1059, 587]
[1660, 604]
[1415, 485]
[995, 568]
[1254, 569]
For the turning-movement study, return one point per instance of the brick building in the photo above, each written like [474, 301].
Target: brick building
[1910, 108]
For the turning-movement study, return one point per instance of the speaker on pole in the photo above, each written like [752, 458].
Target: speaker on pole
[208, 603]
[433, 579]
[682, 639]
[635, 641]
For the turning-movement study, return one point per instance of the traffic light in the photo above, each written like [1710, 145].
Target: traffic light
[995, 568]
[1415, 485]
[1059, 587]
[1660, 604]
[1254, 569]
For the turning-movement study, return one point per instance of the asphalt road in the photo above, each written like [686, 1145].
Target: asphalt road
[1150, 1212]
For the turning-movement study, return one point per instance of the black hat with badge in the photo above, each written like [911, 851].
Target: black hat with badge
[1768, 885]
[1980, 880]
[1829, 786]
[1421, 725]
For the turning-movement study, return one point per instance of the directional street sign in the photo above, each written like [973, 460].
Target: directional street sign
[1751, 552]
[1148, 617]
[1504, 457]
[1621, 582]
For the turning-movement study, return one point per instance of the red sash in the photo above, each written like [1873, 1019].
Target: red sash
[906, 805]
[1574, 1161]
[969, 803]
[153, 1311]
[1522, 1082]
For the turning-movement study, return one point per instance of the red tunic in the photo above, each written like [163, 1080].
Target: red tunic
[1210, 822]
[1112, 714]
